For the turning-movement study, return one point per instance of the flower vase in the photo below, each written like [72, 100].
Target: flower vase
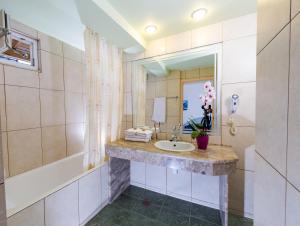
[202, 142]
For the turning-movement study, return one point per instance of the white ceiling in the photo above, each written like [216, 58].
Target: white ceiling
[121, 22]
[173, 16]
[161, 67]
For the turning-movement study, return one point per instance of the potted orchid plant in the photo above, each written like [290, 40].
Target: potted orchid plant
[201, 130]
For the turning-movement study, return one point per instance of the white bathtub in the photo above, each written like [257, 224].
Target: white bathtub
[24, 190]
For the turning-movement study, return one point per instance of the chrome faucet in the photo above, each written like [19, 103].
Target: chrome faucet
[176, 130]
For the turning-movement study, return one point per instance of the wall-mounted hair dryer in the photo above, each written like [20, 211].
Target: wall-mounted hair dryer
[234, 103]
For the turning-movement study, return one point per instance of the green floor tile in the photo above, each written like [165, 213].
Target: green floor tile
[206, 214]
[235, 220]
[173, 218]
[150, 210]
[139, 207]
[135, 192]
[197, 222]
[154, 197]
[178, 205]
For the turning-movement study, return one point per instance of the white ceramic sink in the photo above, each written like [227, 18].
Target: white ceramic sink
[176, 146]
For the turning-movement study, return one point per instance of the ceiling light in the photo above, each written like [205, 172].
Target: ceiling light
[150, 29]
[199, 14]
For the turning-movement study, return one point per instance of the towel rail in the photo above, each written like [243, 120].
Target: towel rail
[175, 97]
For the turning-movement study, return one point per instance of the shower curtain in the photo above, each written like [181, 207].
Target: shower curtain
[139, 77]
[104, 87]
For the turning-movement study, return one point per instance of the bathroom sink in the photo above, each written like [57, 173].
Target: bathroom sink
[176, 146]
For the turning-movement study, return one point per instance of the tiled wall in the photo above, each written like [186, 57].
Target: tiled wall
[42, 112]
[277, 181]
[169, 86]
[238, 38]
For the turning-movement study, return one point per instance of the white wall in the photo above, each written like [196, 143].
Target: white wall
[238, 38]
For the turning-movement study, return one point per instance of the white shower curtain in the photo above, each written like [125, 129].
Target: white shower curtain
[104, 88]
[139, 77]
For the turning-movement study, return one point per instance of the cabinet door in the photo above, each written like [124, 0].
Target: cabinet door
[137, 173]
[156, 178]
[205, 189]
[179, 184]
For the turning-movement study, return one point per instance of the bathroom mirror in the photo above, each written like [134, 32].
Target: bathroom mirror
[179, 78]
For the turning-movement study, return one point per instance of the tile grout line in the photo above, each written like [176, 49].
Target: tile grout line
[40, 102]
[65, 105]
[288, 106]
[276, 34]
[4, 91]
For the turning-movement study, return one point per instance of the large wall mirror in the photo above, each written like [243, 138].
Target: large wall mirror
[179, 79]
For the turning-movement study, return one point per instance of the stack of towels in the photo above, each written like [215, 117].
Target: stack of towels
[142, 135]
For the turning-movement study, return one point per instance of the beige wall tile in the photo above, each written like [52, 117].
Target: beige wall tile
[31, 216]
[235, 28]
[173, 107]
[245, 114]
[22, 107]
[292, 206]
[207, 72]
[2, 108]
[25, 150]
[61, 208]
[74, 107]
[21, 77]
[75, 138]
[1, 74]
[5, 154]
[241, 191]
[52, 107]
[207, 35]
[73, 74]
[50, 44]
[192, 74]
[243, 144]
[174, 74]
[156, 47]
[149, 107]
[51, 76]
[173, 88]
[178, 42]
[269, 195]
[293, 156]
[171, 122]
[295, 7]
[53, 143]
[72, 53]
[272, 86]
[239, 60]
[161, 89]
[268, 25]
[89, 194]
[23, 28]
[150, 90]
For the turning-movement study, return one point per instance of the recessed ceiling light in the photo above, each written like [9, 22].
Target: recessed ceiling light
[199, 14]
[150, 29]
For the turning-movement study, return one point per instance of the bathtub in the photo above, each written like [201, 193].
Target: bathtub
[49, 185]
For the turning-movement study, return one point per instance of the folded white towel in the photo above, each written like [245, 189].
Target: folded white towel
[138, 131]
[137, 139]
[159, 110]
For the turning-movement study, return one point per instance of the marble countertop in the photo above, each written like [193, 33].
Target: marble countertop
[216, 160]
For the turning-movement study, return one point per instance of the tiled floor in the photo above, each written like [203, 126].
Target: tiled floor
[140, 207]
